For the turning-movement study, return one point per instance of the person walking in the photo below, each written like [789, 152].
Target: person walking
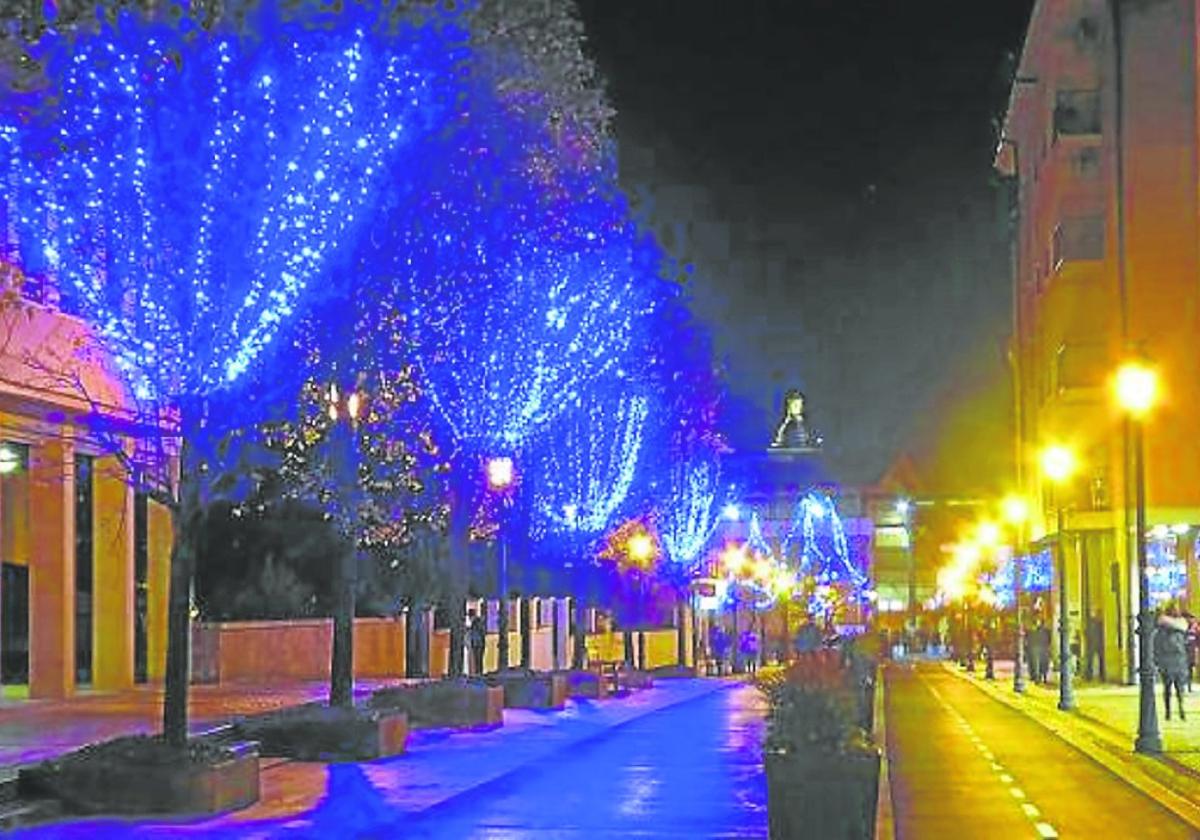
[1170, 655]
[719, 642]
[1041, 640]
[477, 640]
[1095, 648]
[749, 644]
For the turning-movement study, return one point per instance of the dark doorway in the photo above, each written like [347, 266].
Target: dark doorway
[141, 562]
[83, 569]
[14, 624]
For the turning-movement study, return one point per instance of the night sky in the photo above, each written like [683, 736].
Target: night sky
[845, 148]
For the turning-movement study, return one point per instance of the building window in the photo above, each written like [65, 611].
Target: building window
[1076, 112]
[1080, 238]
[1085, 163]
[84, 472]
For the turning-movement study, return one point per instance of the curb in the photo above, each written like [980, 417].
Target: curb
[885, 824]
[1153, 776]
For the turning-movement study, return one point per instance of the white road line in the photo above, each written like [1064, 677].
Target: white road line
[1030, 810]
[997, 767]
[1046, 830]
[1007, 779]
[1017, 793]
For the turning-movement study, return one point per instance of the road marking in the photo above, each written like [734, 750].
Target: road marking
[1030, 810]
[1046, 830]
[1007, 779]
[997, 767]
[1017, 793]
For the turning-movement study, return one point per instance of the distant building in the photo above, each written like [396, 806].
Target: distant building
[1106, 226]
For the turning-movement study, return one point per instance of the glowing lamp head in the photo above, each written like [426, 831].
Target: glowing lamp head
[734, 559]
[732, 512]
[903, 506]
[1136, 388]
[1016, 509]
[641, 548]
[987, 534]
[500, 473]
[1058, 463]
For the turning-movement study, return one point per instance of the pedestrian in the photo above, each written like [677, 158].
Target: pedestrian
[719, 642]
[1041, 652]
[477, 640]
[1193, 645]
[1170, 655]
[749, 645]
[1095, 648]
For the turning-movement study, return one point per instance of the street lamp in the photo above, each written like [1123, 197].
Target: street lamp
[1016, 513]
[500, 477]
[1058, 465]
[1136, 388]
[346, 407]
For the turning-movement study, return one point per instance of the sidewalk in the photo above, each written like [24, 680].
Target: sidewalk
[1103, 725]
[34, 730]
[456, 769]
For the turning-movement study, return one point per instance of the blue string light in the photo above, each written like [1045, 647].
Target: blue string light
[187, 194]
[586, 464]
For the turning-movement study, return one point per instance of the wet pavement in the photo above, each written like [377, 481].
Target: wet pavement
[682, 759]
[964, 765]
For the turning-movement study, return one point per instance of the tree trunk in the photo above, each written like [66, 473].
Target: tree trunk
[341, 665]
[502, 657]
[456, 589]
[185, 524]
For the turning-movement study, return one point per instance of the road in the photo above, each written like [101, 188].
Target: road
[965, 765]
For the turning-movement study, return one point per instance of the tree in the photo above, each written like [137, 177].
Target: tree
[584, 466]
[187, 215]
[526, 283]
[361, 450]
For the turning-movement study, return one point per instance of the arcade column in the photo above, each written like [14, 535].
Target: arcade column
[52, 569]
[113, 574]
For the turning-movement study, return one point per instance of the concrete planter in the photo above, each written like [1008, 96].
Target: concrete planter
[586, 684]
[100, 781]
[532, 689]
[321, 733]
[629, 678]
[452, 702]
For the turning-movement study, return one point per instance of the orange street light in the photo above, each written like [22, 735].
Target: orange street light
[1136, 387]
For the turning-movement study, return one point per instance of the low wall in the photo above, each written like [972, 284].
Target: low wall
[662, 646]
[297, 649]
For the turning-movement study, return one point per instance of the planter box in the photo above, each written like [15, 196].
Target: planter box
[822, 796]
[587, 684]
[671, 672]
[630, 678]
[321, 733]
[454, 702]
[98, 783]
[532, 689]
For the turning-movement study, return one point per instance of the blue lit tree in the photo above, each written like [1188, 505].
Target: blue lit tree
[527, 283]
[189, 191]
[583, 468]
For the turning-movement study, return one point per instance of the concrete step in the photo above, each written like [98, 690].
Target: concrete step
[8, 784]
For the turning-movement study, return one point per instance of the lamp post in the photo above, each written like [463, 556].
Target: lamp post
[1016, 513]
[348, 407]
[500, 478]
[1058, 465]
[904, 509]
[1137, 390]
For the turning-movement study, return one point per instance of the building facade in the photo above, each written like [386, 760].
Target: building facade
[1101, 144]
[83, 556]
